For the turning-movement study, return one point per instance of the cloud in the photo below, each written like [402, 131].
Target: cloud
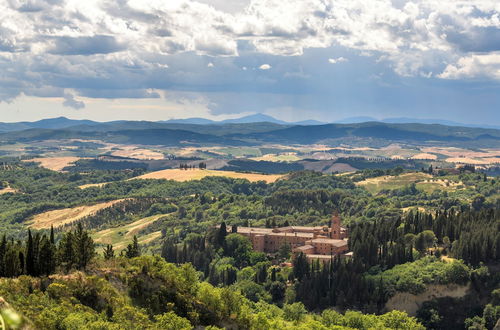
[337, 60]
[485, 66]
[98, 44]
[71, 102]
[135, 48]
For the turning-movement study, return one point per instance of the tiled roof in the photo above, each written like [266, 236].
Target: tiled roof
[334, 242]
[304, 247]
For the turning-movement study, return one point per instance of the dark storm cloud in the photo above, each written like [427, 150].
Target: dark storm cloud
[477, 40]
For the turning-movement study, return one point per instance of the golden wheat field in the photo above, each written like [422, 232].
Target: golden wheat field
[197, 174]
[54, 163]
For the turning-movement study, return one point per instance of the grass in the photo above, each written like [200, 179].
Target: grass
[120, 236]
[438, 184]
[423, 181]
[197, 174]
[61, 217]
[375, 185]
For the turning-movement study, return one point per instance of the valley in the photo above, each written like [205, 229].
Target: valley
[390, 227]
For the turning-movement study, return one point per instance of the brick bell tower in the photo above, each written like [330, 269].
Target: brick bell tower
[335, 227]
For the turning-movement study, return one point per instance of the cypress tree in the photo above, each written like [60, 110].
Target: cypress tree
[30, 257]
[221, 234]
[12, 262]
[3, 248]
[84, 247]
[133, 250]
[52, 240]
[108, 253]
[47, 257]
[66, 250]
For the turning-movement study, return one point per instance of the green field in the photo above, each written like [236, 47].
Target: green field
[120, 236]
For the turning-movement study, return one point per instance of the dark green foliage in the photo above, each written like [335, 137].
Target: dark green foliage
[108, 252]
[133, 249]
[83, 247]
[244, 165]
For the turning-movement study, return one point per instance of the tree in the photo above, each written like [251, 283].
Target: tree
[284, 251]
[66, 251]
[47, 262]
[30, 256]
[277, 291]
[108, 252]
[491, 315]
[172, 321]
[221, 234]
[181, 212]
[478, 202]
[238, 247]
[294, 312]
[52, 239]
[425, 240]
[300, 266]
[83, 246]
[133, 250]
[13, 266]
[3, 249]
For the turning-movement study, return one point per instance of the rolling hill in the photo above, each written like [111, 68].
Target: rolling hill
[171, 134]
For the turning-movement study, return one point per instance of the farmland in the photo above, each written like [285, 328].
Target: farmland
[197, 174]
[423, 181]
[120, 236]
[55, 163]
[66, 216]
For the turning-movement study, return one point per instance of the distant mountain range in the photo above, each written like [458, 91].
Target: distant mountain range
[250, 133]
[52, 123]
[62, 122]
[406, 120]
[256, 118]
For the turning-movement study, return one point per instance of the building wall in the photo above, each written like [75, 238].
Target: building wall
[270, 240]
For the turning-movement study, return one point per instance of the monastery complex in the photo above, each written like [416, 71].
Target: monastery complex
[319, 242]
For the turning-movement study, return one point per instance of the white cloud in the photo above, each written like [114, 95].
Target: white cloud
[337, 60]
[474, 66]
[125, 47]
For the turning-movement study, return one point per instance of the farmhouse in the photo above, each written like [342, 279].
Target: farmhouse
[319, 242]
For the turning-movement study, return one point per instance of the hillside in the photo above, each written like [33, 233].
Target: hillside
[153, 133]
[120, 236]
[67, 216]
[157, 251]
[197, 174]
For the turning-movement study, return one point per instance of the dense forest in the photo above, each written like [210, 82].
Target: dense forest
[200, 272]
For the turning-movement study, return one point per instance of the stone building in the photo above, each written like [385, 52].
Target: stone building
[320, 242]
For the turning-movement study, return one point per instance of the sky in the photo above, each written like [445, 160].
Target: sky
[295, 60]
